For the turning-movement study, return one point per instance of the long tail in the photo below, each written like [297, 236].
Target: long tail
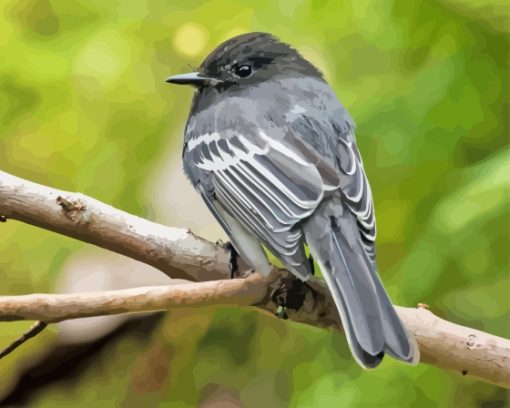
[369, 319]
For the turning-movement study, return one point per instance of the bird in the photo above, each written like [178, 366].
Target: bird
[272, 152]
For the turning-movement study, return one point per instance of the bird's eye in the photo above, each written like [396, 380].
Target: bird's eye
[243, 70]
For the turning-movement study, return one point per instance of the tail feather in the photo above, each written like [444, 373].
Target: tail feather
[363, 358]
[399, 343]
[357, 292]
[370, 321]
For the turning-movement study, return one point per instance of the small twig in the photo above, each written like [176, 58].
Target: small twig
[34, 330]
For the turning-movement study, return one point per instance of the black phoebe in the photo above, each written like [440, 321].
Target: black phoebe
[273, 153]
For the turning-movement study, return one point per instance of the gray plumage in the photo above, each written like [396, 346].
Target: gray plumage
[272, 152]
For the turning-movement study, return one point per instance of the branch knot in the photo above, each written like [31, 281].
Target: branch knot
[73, 209]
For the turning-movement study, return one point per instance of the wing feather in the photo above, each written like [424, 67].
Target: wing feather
[272, 184]
[266, 185]
[357, 192]
[339, 153]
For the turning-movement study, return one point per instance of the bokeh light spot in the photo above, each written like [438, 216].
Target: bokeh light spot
[190, 39]
[104, 58]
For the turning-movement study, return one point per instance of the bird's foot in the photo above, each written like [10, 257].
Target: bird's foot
[232, 260]
[289, 295]
[312, 265]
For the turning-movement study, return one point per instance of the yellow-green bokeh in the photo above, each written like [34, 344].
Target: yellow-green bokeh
[84, 107]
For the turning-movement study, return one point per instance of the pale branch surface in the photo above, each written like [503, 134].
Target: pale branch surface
[175, 251]
[53, 308]
[454, 347]
[179, 253]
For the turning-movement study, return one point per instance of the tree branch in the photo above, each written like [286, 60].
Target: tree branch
[54, 308]
[175, 251]
[179, 253]
[441, 343]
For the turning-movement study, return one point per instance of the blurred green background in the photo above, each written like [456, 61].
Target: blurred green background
[83, 107]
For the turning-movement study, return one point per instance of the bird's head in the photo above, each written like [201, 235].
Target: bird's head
[245, 60]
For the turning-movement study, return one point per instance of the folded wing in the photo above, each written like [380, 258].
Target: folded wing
[268, 186]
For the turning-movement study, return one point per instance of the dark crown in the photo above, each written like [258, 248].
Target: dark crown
[259, 49]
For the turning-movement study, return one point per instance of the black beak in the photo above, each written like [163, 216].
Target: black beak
[193, 78]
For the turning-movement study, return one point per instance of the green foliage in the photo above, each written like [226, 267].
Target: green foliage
[83, 107]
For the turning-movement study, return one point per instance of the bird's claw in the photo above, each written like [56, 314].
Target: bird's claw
[289, 295]
[232, 260]
[312, 265]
